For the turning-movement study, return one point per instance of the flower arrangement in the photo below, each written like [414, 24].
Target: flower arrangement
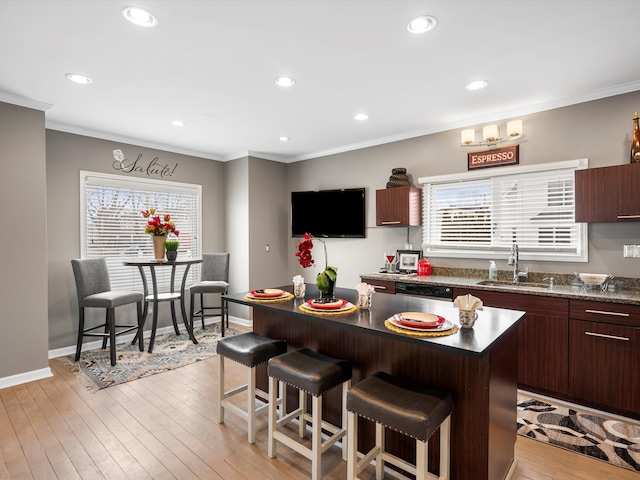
[325, 280]
[157, 227]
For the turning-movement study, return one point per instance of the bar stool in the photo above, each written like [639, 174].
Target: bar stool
[407, 407]
[314, 373]
[251, 350]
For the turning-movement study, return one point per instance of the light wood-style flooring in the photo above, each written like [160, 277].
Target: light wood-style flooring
[165, 427]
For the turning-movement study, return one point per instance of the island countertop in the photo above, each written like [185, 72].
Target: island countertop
[492, 323]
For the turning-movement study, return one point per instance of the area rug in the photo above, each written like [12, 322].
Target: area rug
[610, 440]
[170, 351]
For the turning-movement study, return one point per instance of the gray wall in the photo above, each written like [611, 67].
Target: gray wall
[598, 130]
[23, 292]
[67, 154]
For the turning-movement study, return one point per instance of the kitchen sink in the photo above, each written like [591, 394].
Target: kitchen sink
[518, 285]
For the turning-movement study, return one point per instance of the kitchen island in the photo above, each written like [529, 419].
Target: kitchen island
[478, 366]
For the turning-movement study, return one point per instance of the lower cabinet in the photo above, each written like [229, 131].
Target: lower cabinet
[543, 363]
[604, 354]
[382, 286]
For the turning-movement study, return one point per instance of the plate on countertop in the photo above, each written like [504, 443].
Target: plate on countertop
[445, 325]
[324, 304]
[268, 293]
[419, 320]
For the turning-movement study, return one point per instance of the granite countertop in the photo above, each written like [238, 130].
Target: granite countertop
[562, 289]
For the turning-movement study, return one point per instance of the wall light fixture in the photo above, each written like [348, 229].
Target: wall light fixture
[491, 135]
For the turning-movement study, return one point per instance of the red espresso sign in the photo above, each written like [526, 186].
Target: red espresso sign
[493, 158]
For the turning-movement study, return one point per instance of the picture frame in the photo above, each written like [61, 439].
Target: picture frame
[408, 260]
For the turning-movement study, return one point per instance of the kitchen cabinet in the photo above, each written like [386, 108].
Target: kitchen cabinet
[604, 354]
[398, 207]
[608, 194]
[543, 363]
[382, 286]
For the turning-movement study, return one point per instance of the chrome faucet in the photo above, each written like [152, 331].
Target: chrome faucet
[513, 261]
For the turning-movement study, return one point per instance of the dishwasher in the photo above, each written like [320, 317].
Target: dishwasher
[436, 292]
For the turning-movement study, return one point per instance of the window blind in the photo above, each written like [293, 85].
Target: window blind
[113, 227]
[486, 214]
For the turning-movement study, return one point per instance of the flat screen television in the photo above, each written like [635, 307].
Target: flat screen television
[328, 213]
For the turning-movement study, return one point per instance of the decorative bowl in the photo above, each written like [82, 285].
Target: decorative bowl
[593, 278]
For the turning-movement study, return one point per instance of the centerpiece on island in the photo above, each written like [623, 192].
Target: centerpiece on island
[159, 229]
[326, 279]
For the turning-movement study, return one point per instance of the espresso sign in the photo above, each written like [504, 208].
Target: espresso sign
[493, 158]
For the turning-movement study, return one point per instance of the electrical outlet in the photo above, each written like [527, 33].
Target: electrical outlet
[632, 251]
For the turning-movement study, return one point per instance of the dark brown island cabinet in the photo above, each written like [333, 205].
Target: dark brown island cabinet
[478, 366]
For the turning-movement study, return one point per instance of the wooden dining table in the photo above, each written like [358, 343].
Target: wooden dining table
[478, 366]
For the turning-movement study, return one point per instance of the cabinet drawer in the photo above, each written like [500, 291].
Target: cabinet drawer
[382, 286]
[613, 313]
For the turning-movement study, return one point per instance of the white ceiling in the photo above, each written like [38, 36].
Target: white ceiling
[213, 65]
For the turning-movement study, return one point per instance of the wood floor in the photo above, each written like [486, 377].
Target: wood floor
[165, 427]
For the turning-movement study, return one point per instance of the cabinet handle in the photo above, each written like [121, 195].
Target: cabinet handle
[628, 216]
[602, 312]
[393, 222]
[379, 287]
[613, 337]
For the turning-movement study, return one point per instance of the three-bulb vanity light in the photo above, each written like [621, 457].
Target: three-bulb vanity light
[491, 135]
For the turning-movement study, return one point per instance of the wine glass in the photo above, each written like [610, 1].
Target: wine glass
[389, 259]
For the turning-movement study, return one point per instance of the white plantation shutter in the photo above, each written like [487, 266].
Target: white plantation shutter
[112, 226]
[480, 214]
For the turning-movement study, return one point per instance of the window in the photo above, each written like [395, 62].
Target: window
[112, 226]
[481, 213]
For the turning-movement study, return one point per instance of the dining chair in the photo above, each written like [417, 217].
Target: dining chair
[94, 291]
[214, 278]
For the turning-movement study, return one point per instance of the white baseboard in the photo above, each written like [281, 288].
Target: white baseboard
[26, 377]
[70, 350]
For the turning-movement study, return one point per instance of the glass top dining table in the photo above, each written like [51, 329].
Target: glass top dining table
[155, 297]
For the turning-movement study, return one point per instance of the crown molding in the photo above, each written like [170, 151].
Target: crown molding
[24, 102]
[129, 140]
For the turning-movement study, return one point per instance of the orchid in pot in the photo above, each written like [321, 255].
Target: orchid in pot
[325, 280]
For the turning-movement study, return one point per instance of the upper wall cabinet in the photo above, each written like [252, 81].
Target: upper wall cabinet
[608, 194]
[398, 207]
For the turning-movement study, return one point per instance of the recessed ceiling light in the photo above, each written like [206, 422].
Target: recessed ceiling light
[284, 139]
[422, 24]
[77, 78]
[285, 81]
[177, 123]
[477, 85]
[139, 16]
[361, 116]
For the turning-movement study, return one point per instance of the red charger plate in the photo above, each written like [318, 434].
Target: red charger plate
[267, 293]
[419, 320]
[326, 306]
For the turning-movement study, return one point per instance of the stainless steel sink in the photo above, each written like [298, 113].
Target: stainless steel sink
[519, 285]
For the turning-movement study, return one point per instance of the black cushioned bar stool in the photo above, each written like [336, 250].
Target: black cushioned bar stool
[407, 407]
[314, 373]
[251, 350]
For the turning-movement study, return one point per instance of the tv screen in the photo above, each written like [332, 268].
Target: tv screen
[328, 213]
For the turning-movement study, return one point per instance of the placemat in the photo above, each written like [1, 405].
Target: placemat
[286, 298]
[351, 309]
[415, 333]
